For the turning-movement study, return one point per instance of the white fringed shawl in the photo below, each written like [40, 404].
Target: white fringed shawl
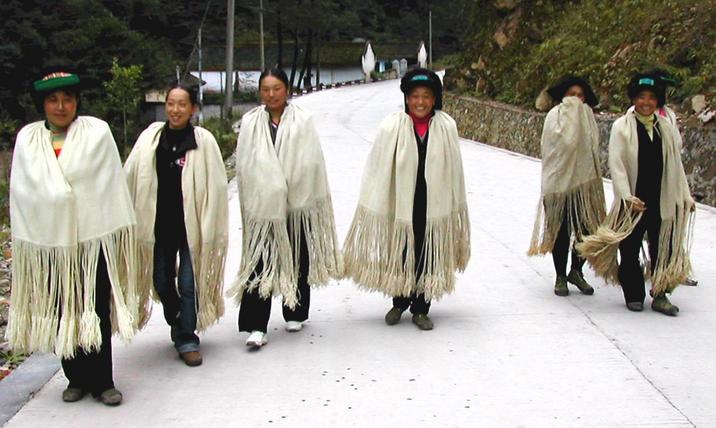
[673, 264]
[206, 216]
[63, 211]
[571, 175]
[375, 249]
[280, 183]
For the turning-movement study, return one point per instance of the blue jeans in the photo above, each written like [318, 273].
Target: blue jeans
[179, 302]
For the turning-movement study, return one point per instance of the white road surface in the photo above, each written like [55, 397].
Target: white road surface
[505, 350]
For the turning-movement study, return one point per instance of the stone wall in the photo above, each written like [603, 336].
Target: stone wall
[519, 130]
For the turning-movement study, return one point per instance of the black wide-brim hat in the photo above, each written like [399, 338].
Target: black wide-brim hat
[423, 77]
[557, 91]
[648, 82]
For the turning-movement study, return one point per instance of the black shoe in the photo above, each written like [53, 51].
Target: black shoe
[393, 315]
[635, 306]
[577, 278]
[663, 305]
[422, 321]
[560, 286]
[111, 397]
[70, 395]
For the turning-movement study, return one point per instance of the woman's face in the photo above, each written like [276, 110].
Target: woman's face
[179, 108]
[421, 101]
[645, 103]
[575, 91]
[60, 108]
[274, 93]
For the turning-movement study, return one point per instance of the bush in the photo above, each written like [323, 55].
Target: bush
[224, 134]
[605, 42]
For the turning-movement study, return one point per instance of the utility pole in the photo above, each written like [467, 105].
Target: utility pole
[229, 101]
[261, 23]
[201, 90]
[430, 38]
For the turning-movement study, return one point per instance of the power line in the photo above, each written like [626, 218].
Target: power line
[196, 39]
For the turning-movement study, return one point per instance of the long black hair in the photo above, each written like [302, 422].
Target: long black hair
[277, 73]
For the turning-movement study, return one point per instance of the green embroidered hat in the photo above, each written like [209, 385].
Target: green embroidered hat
[55, 80]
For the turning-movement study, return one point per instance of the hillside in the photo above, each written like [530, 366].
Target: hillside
[514, 49]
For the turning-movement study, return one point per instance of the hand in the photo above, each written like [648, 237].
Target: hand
[637, 205]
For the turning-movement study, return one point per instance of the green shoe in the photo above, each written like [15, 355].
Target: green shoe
[577, 278]
[111, 397]
[393, 315]
[70, 395]
[663, 305]
[422, 321]
[560, 286]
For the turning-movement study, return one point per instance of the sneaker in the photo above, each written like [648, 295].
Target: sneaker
[577, 278]
[111, 397]
[635, 306]
[393, 315]
[257, 339]
[191, 358]
[294, 326]
[70, 395]
[422, 321]
[560, 286]
[663, 305]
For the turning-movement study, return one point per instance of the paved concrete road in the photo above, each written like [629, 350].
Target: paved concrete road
[505, 350]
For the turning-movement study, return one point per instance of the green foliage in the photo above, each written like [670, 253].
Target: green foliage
[8, 129]
[5, 163]
[606, 42]
[123, 94]
[224, 134]
[11, 359]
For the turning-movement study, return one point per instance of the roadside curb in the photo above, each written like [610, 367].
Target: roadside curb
[22, 384]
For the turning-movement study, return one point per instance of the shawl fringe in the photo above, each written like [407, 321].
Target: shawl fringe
[54, 312]
[673, 269]
[379, 253]
[584, 206]
[672, 265]
[210, 270]
[266, 241]
[280, 274]
[325, 258]
[601, 248]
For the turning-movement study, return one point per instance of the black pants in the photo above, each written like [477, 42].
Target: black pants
[92, 371]
[631, 275]
[417, 302]
[560, 251]
[255, 311]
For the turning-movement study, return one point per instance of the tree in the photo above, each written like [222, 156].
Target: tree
[123, 91]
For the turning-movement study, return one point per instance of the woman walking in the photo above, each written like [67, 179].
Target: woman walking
[411, 232]
[178, 184]
[74, 277]
[651, 196]
[572, 194]
[289, 237]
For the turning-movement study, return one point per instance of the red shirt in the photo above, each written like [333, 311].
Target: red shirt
[421, 124]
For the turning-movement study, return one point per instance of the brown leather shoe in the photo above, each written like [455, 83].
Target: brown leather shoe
[191, 358]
